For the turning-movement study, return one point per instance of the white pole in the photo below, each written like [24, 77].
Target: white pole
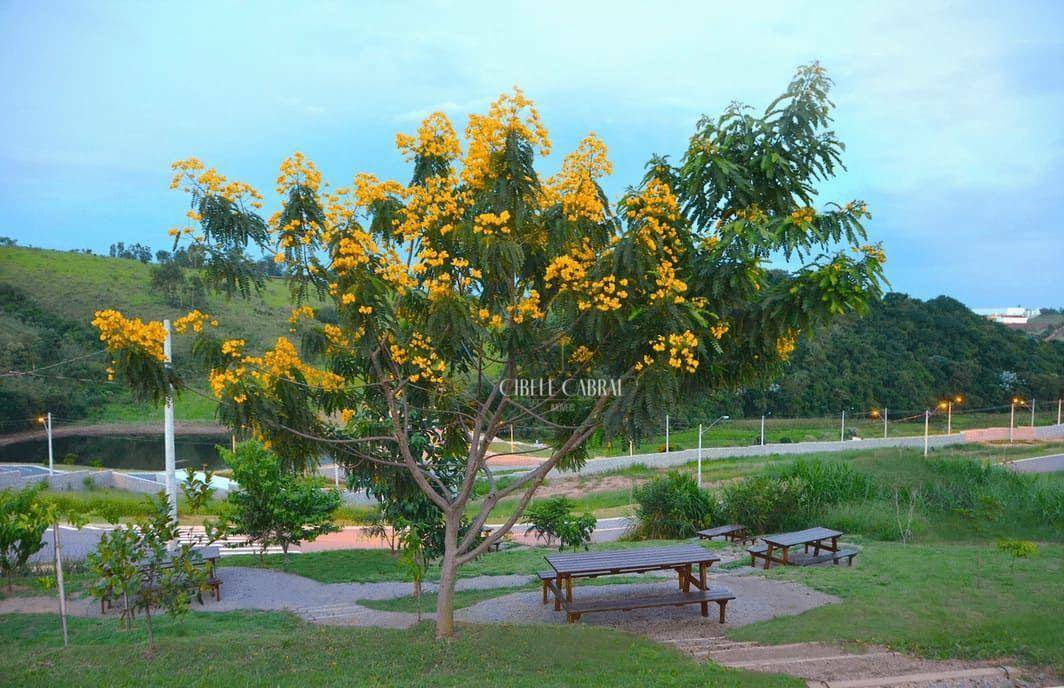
[336, 473]
[927, 420]
[51, 458]
[511, 438]
[666, 433]
[842, 429]
[1012, 418]
[762, 430]
[885, 411]
[59, 580]
[1032, 412]
[949, 417]
[1060, 403]
[168, 422]
[700, 455]
[631, 447]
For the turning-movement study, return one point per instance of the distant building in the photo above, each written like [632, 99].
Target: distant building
[1009, 316]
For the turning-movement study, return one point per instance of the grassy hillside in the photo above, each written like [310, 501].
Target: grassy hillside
[47, 299]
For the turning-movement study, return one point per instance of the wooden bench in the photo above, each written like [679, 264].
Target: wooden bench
[734, 532]
[760, 552]
[574, 610]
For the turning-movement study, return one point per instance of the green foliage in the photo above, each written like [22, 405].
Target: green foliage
[197, 490]
[794, 496]
[554, 519]
[136, 570]
[672, 506]
[274, 506]
[23, 520]
[1019, 549]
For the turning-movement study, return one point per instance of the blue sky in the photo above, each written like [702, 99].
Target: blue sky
[953, 113]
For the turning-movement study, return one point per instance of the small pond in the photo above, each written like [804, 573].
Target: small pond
[142, 452]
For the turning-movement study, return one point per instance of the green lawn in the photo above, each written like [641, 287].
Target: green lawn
[268, 649]
[940, 601]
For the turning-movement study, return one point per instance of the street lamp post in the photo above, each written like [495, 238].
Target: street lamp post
[927, 421]
[700, 444]
[46, 421]
[1012, 417]
[948, 405]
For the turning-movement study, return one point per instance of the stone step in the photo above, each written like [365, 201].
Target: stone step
[988, 677]
[818, 659]
[849, 667]
[771, 652]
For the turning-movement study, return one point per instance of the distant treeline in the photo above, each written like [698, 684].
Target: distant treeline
[905, 354]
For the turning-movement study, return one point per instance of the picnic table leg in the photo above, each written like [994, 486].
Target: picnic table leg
[816, 548]
[835, 544]
[786, 558]
[569, 589]
[702, 579]
[768, 556]
[722, 604]
[557, 596]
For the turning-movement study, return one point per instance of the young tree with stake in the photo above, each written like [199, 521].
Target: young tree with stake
[479, 272]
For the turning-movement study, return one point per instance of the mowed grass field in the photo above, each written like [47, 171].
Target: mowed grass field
[270, 649]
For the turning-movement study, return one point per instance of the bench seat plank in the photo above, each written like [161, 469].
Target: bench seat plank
[676, 599]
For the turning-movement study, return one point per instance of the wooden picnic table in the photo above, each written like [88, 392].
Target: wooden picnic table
[733, 531]
[810, 537]
[680, 558]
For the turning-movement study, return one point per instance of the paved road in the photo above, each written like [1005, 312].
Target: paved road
[1039, 464]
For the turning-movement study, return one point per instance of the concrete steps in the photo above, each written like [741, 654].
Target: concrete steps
[826, 665]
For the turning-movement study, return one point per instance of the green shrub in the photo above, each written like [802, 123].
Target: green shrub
[794, 496]
[764, 503]
[672, 506]
[553, 519]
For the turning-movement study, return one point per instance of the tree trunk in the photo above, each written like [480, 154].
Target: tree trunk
[448, 576]
[151, 632]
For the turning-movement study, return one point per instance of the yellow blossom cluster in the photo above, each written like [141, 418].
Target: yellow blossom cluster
[486, 317]
[233, 347]
[283, 363]
[194, 177]
[873, 251]
[435, 206]
[486, 134]
[575, 184]
[435, 138]
[655, 209]
[803, 216]
[719, 330]
[297, 170]
[680, 349]
[785, 344]
[392, 270]
[354, 250]
[606, 294]
[527, 308]
[118, 332]
[421, 357]
[581, 355]
[369, 190]
[490, 224]
[858, 208]
[668, 284]
[338, 341]
[346, 415]
[300, 313]
[752, 213]
[195, 320]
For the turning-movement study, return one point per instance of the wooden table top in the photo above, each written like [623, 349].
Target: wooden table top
[800, 537]
[630, 560]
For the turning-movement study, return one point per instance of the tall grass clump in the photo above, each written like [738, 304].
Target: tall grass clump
[672, 507]
[794, 496]
[992, 497]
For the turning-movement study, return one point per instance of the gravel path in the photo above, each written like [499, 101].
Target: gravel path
[757, 599]
[335, 603]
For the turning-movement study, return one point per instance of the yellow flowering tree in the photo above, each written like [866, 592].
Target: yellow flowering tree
[480, 272]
